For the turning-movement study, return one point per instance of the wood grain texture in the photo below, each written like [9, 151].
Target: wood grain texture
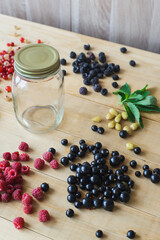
[142, 211]
[135, 23]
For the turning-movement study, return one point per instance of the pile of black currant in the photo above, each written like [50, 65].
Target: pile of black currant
[100, 184]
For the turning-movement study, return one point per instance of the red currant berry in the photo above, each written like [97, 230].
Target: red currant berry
[8, 44]
[22, 39]
[39, 41]
[12, 44]
[8, 89]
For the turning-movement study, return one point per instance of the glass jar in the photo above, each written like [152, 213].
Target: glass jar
[37, 88]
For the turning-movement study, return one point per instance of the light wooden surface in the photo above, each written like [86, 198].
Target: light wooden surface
[142, 212]
[135, 22]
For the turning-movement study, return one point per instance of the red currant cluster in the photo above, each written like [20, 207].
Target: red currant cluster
[7, 64]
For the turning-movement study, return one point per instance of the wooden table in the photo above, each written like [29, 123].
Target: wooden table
[142, 213]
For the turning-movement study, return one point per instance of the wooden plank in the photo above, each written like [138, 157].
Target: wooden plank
[53, 12]
[85, 222]
[147, 70]
[9, 232]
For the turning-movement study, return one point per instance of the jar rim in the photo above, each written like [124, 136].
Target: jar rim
[36, 61]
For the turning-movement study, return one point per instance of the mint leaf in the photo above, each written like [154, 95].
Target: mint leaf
[131, 117]
[125, 88]
[149, 100]
[148, 108]
[135, 112]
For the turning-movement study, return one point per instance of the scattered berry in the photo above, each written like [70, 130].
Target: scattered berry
[37, 193]
[132, 63]
[26, 199]
[52, 150]
[64, 72]
[97, 87]
[7, 155]
[94, 128]
[137, 150]
[15, 156]
[115, 77]
[48, 156]
[69, 213]
[18, 222]
[131, 234]
[39, 41]
[17, 194]
[104, 91]
[8, 88]
[28, 209]
[64, 161]
[24, 157]
[123, 50]
[87, 47]
[64, 142]
[39, 163]
[25, 170]
[23, 147]
[123, 134]
[115, 84]
[155, 178]
[44, 187]
[44, 216]
[99, 234]
[83, 91]
[54, 164]
[63, 61]
[137, 173]
[133, 163]
[100, 130]
[72, 54]
[22, 39]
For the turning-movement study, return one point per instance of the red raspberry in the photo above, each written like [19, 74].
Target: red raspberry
[28, 208]
[26, 199]
[24, 157]
[48, 156]
[23, 147]
[54, 164]
[2, 176]
[17, 186]
[37, 193]
[7, 169]
[25, 170]
[44, 216]
[17, 166]
[4, 164]
[5, 197]
[12, 174]
[17, 194]
[7, 155]
[15, 156]
[39, 163]
[18, 222]
[19, 179]
[9, 188]
[2, 185]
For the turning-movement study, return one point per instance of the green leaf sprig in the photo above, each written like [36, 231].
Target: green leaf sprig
[136, 102]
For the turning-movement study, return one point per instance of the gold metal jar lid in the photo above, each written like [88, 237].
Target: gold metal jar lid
[36, 61]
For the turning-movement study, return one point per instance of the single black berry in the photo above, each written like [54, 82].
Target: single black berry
[81, 154]
[114, 153]
[145, 167]
[94, 128]
[133, 163]
[147, 173]
[64, 161]
[124, 168]
[71, 179]
[78, 195]
[108, 204]
[124, 197]
[83, 91]
[157, 170]
[104, 91]
[71, 198]
[72, 188]
[72, 54]
[64, 142]
[87, 202]
[81, 141]
[97, 203]
[115, 77]
[123, 50]
[131, 234]
[137, 173]
[132, 63]
[70, 213]
[63, 61]
[45, 187]
[115, 84]
[98, 145]
[137, 150]
[87, 47]
[52, 150]
[99, 234]
[155, 178]
[115, 161]
[73, 167]
[97, 87]
[100, 130]
[74, 149]
[71, 156]
[78, 204]
[123, 134]
[104, 152]
[64, 72]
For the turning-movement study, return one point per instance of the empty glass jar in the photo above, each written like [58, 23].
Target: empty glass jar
[37, 88]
